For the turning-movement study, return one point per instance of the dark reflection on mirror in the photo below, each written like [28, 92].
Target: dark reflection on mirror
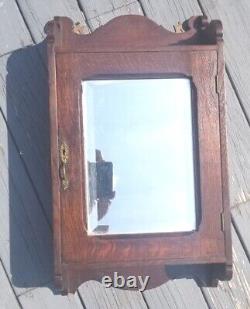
[138, 144]
[100, 176]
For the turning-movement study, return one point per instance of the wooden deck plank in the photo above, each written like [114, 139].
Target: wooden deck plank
[43, 298]
[176, 294]
[235, 293]
[169, 13]
[25, 237]
[7, 297]
[238, 148]
[24, 102]
[241, 216]
[100, 12]
[95, 8]
[13, 31]
[37, 13]
[235, 17]
[132, 8]
[97, 296]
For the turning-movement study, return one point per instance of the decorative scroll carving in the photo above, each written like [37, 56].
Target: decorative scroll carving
[133, 32]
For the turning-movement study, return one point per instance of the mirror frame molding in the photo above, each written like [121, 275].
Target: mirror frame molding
[130, 46]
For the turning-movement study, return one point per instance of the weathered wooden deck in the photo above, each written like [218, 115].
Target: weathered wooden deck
[25, 208]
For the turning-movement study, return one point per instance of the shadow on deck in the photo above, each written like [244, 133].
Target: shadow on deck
[29, 168]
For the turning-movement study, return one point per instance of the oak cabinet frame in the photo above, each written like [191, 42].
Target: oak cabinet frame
[128, 47]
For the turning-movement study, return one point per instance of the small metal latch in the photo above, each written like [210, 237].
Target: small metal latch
[64, 158]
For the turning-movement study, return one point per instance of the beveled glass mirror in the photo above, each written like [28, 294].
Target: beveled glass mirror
[138, 141]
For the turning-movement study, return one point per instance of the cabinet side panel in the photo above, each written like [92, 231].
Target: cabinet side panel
[54, 160]
[224, 159]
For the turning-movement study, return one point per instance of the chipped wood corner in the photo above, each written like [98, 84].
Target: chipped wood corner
[178, 28]
[79, 28]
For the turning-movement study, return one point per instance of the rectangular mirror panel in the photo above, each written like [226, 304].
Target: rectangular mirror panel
[139, 163]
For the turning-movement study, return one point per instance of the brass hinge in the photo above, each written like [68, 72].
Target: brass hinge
[222, 221]
[64, 158]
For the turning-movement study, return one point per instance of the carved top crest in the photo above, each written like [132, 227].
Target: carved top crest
[133, 32]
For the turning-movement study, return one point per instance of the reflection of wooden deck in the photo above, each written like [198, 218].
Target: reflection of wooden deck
[25, 211]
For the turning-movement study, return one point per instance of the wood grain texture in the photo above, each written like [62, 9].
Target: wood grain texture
[206, 245]
[13, 31]
[235, 293]
[7, 296]
[235, 16]
[100, 12]
[37, 13]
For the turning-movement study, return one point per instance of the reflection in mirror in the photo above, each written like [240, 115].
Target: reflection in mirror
[138, 144]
